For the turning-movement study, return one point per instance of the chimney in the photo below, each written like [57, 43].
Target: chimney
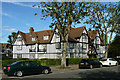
[31, 30]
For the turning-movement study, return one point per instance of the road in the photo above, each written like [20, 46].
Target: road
[105, 72]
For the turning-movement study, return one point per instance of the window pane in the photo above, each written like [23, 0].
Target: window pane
[19, 55]
[71, 45]
[84, 46]
[19, 47]
[58, 45]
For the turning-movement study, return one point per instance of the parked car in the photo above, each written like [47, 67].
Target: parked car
[118, 60]
[108, 62]
[20, 68]
[89, 63]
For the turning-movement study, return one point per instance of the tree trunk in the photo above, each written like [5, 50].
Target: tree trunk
[106, 51]
[63, 61]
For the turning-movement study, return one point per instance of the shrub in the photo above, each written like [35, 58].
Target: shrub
[74, 60]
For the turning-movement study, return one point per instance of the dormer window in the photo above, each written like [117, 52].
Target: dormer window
[45, 37]
[34, 38]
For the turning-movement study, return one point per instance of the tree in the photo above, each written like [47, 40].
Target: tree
[11, 39]
[118, 22]
[114, 47]
[64, 14]
[104, 18]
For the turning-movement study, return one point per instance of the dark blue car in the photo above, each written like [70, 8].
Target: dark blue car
[89, 63]
[20, 68]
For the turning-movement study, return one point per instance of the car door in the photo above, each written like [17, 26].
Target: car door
[111, 61]
[92, 62]
[34, 67]
[27, 67]
[114, 61]
[97, 63]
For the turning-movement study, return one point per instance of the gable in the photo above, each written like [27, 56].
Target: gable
[19, 40]
[55, 36]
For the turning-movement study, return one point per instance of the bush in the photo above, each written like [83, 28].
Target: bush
[74, 60]
[6, 58]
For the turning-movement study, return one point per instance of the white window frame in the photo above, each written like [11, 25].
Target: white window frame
[34, 39]
[19, 47]
[19, 55]
[45, 37]
[32, 56]
[84, 46]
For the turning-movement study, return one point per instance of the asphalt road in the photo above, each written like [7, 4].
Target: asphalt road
[105, 72]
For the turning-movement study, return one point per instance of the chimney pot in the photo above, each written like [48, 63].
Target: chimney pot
[31, 30]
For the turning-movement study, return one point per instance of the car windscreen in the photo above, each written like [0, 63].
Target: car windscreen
[103, 60]
[84, 60]
[15, 63]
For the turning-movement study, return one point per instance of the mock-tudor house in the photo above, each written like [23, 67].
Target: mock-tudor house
[96, 44]
[48, 44]
[5, 49]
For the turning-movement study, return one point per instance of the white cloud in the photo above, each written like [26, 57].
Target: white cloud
[10, 30]
[5, 26]
[5, 14]
[23, 4]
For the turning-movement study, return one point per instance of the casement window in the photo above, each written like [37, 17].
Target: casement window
[97, 46]
[34, 39]
[45, 37]
[32, 48]
[19, 41]
[19, 47]
[71, 55]
[19, 55]
[84, 46]
[32, 56]
[42, 48]
[71, 45]
[58, 45]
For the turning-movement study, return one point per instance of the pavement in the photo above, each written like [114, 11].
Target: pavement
[58, 67]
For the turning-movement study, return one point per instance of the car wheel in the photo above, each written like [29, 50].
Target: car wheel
[45, 71]
[19, 73]
[109, 64]
[116, 64]
[91, 66]
[100, 65]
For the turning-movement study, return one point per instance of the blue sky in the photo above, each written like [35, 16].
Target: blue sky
[20, 16]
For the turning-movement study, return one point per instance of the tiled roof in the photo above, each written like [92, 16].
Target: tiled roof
[92, 35]
[74, 33]
[27, 37]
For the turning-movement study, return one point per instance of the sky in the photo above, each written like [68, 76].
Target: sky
[20, 16]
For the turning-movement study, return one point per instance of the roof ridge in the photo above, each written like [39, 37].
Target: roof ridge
[78, 27]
